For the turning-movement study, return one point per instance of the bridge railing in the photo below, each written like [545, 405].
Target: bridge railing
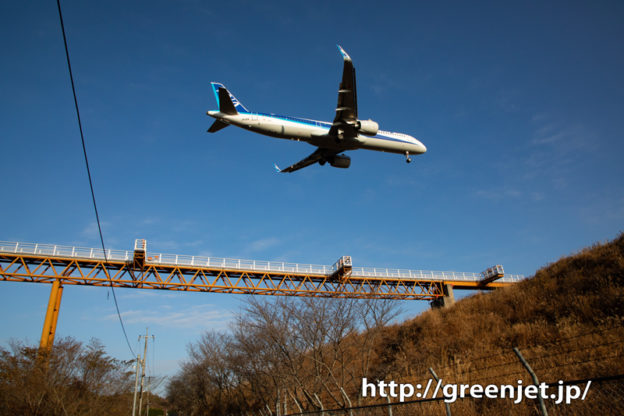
[427, 274]
[228, 263]
[64, 251]
[160, 258]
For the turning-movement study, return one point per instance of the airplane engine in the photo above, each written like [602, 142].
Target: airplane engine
[368, 127]
[340, 161]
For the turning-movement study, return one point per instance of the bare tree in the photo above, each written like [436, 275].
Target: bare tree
[282, 349]
[71, 379]
[320, 338]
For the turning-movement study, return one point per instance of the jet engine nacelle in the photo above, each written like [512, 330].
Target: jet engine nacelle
[368, 127]
[340, 161]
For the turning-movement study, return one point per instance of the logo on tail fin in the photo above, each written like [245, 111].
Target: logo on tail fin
[237, 104]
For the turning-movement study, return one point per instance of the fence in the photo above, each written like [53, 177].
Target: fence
[605, 397]
[579, 375]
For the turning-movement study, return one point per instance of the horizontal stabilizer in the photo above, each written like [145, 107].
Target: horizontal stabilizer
[217, 125]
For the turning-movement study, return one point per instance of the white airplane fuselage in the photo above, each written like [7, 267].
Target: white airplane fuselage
[346, 132]
[316, 133]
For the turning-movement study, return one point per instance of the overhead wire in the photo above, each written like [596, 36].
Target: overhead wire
[84, 151]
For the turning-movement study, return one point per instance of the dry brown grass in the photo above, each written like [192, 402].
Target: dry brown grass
[567, 320]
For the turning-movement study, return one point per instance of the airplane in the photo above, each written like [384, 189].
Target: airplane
[346, 132]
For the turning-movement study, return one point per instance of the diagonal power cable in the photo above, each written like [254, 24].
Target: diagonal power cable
[84, 151]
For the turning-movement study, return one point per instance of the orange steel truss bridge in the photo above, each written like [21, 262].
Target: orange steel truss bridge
[45, 263]
[139, 269]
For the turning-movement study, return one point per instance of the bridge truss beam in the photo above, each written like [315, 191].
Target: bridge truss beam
[18, 267]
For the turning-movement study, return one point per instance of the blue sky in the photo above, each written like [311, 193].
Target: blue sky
[520, 105]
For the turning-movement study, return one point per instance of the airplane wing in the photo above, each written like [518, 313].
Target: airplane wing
[346, 110]
[318, 155]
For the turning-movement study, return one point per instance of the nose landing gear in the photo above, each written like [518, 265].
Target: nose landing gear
[407, 157]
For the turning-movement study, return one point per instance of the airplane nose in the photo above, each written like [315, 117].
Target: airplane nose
[421, 147]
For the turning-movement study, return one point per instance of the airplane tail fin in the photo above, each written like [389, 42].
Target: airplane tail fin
[227, 103]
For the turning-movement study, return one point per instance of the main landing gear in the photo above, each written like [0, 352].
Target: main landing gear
[407, 158]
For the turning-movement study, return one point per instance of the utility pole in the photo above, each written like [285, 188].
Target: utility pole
[149, 380]
[142, 371]
[136, 383]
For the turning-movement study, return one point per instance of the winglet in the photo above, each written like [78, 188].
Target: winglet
[277, 169]
[345, 55]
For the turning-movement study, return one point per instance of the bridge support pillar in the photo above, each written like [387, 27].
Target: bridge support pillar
[447, 300]
[51, 318]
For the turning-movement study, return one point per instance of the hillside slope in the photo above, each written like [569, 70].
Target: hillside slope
[567, 320]
[311, 353]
